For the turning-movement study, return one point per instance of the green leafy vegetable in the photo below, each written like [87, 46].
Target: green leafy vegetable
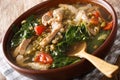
[26, 31]
[72, 35]
[76, 33]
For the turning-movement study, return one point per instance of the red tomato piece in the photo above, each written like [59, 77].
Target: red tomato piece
[108, 26]
[39, 29]
[96, 14]
[43, 58]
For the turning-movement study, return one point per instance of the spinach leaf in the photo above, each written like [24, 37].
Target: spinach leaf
[26, 31]
[72, 35]
[76, 33]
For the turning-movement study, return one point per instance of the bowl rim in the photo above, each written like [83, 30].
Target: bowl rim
[99, 2]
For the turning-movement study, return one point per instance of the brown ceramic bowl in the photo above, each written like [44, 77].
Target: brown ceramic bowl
[67, 72]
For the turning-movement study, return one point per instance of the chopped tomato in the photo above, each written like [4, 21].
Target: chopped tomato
[108, 26]
[96, 14]
[39, 29]
[43, 58]
[94, 21]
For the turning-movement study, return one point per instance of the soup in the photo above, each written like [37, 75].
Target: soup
[43, 41]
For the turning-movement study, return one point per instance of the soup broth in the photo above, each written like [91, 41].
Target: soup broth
[44, 40]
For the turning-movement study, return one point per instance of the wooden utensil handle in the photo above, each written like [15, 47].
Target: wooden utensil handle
[106, 68]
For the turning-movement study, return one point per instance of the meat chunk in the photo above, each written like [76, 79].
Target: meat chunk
[81, 16]
[58, 14]
[20, 60]
[52, 16]
[37, 66]
[55, 22]
[22, 47]
[46, 18]
[56, 27]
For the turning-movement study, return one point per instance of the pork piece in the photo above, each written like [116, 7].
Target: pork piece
[81, 16]
[69, 7]
[38, 66]
[46, 17]
[20, 60]
[56, 26]
[34, 65]
[58, 14]
[22, 47]
[52, 16]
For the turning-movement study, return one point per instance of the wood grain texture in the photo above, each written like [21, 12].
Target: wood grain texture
[11, 9]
